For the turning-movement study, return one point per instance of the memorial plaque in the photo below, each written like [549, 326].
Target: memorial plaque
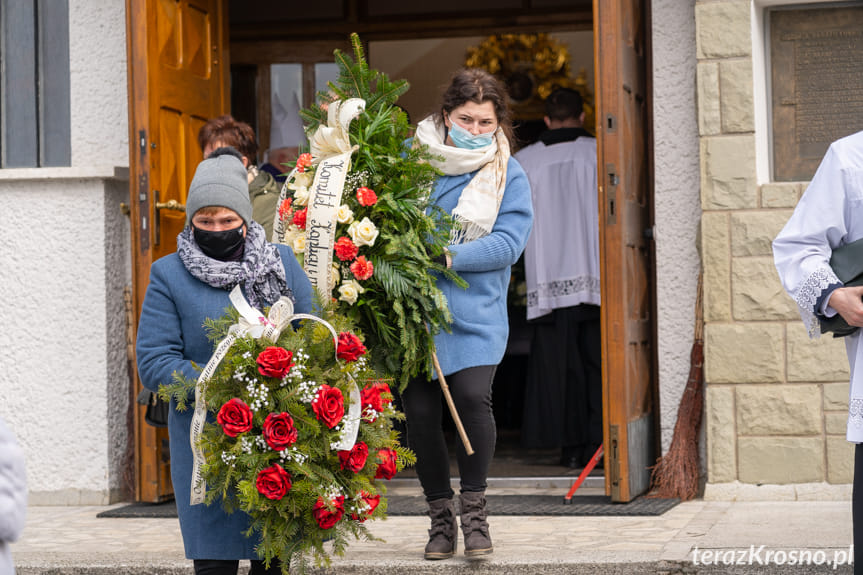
[816, 60]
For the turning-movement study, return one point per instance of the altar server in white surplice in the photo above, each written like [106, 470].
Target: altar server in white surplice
[829, 215]
[563, 403]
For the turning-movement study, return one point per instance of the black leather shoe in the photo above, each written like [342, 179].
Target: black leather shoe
[571, 456]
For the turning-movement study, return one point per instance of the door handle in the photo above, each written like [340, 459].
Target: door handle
[172, 205]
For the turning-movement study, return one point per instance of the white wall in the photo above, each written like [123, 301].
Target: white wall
[677, 198]
[100, 111]
[63, 384]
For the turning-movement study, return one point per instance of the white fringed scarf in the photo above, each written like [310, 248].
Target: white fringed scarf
[480, 200]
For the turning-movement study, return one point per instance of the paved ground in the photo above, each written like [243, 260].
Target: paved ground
[72, 540]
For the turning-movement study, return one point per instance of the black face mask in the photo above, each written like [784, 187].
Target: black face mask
[220, 245]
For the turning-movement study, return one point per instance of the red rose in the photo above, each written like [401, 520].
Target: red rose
[372, 399]
[366, 196]
[285, 209]
[372, 502]
[349, 347]
[300, 218]
[275, 362]
[345, 249]
[329, 405]
[362, 268]
[235, 417]
[387, 466]
[325, 517]
[279, 430]
[303, 162]
[273, 482]
[355, 459]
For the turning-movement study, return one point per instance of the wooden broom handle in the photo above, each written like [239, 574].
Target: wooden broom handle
[445, 388]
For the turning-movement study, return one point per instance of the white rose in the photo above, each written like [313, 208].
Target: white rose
[301, 196]
[363, 233]
[335, 274]
[349, 291]
[345, 215]
[300, 180]
[299, 243]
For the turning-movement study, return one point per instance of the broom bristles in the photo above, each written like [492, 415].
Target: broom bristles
[676, 473]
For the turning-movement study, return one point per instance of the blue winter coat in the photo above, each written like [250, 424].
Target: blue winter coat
[170, 338]
[480, 327]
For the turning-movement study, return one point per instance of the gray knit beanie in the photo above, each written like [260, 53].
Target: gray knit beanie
[220, 181]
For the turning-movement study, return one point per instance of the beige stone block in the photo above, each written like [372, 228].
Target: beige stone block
[721, 434]
[737, 491]
[822, 359]
[840, 460]
[722, 30]
[752, 232]
[736, 102]
[778, 410]
[744, 353]
[780, 194]
[716, 258]
[823, 491]
[781, 460]
[836, 397]
[835, 422]
[709, 116]
[757, 291]
[728, 173]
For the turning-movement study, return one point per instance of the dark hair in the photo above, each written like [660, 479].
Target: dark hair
[229, 132]
[478, 86]
[564, 103]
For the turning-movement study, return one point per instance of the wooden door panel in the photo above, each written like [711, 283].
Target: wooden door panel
[177, 58]
[626, 275]
[196, 42]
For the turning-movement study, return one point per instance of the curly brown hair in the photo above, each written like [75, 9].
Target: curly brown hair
[478, 86]
[229, 132]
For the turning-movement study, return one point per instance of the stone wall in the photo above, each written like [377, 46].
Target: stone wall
[776, 401]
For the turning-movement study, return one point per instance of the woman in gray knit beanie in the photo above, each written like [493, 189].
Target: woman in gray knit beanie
[220, 248]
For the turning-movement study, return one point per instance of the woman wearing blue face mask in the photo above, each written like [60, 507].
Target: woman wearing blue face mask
[488, 195]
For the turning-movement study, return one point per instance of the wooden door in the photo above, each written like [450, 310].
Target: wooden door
[178, 62]
[629, 406]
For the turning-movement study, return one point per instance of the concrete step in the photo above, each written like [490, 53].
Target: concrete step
[449, 567]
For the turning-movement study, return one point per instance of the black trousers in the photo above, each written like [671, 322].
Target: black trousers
[230, 567]
[471, 393]
[563, 398]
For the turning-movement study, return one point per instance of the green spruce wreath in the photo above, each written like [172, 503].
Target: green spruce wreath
[389, 236]
[279, 412]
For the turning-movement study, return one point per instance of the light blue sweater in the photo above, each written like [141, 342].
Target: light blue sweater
[480, 325]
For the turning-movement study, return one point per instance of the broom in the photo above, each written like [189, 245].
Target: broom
[675, 474]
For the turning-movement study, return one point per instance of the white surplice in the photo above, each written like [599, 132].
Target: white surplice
[830, 214]
[562, 255]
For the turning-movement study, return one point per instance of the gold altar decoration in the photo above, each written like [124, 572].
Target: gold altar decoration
[531, 66]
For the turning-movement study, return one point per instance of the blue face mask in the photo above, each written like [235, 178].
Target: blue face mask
[464, 139]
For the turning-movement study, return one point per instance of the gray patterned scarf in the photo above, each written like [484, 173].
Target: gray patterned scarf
[260, 272]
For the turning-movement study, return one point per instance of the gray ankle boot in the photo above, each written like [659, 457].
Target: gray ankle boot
[443, 533]
[477, 541]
